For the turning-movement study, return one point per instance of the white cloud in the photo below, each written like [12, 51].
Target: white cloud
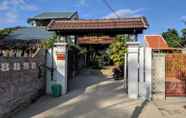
[183, 18]
[9, 17]
[123, 13]
[12, 15]
[82, 2]
[10, 9]
[24, 5]
[4, 6]
[17, 4]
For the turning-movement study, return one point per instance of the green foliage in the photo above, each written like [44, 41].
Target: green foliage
[101, 59]
[5, 32]
[93, 57]
[50, 42]
[183, 31]
[172, 38]
[73, 47]
[77, 48]
[117, 50]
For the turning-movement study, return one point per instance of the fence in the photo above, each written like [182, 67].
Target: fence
[175, 69]
[21, 82]
[168, 75]
[155, 75]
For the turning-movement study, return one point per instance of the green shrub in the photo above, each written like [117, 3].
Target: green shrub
[117, 50]
[5, 32]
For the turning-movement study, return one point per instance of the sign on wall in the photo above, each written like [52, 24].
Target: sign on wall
[17, 66]
[60, 56]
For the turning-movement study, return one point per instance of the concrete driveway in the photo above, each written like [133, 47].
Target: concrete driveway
[93, 94]
[172, 107]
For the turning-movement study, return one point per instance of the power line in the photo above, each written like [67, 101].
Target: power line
[110, 7]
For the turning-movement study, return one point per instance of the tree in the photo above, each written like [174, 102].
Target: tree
[183, 31]
[117, 50]
[172, 38]
[5, 32]
[50, 42]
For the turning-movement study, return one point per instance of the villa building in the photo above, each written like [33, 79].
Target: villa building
[45, 18]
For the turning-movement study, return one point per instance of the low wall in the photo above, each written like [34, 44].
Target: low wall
[21, 82]
[158, 76]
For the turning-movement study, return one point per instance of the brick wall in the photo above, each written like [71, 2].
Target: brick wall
[175, 75]
[21, 84]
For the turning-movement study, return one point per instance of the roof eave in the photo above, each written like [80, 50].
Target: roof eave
[49, 28]
[75, 13]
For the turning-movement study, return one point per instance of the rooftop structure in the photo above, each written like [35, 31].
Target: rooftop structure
[134, 25]
[159, 44]
[23, 35]
[156, 42]
[45, 18]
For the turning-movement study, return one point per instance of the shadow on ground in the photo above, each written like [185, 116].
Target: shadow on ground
[92, 94]
[138, 110]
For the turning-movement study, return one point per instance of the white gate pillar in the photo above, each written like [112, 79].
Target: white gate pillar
[133, 72]
[139, 71]
[145, 74]
[148, 72]
[57, 64]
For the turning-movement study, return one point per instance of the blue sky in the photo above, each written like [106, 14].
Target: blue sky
[161, 14]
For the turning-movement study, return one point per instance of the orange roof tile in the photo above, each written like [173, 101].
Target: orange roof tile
[125, 23]
[156, 42]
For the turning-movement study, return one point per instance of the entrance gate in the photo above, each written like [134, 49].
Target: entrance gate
[130, 27]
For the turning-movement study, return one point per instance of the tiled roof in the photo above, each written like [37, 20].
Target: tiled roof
[125, 23]
[156, 42]
[95, 40]
[29, 33]
[53, 15]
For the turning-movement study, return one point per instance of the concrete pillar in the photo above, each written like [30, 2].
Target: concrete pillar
[145, 68]
[57, 64]
[148, 72]
[142, 83]
[125, 71]
[158, 76]
[133, 72]
[139, 71]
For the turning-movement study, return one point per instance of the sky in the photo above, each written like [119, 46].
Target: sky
[161, 14]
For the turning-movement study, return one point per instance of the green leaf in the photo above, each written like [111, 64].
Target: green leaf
[117, 49]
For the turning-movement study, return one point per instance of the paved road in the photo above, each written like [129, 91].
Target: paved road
[173, 107]
[92, 95]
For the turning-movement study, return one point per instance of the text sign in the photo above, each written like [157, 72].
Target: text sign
[60, 56]
[17, 66]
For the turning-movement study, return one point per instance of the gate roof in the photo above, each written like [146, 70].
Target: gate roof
[137, 24]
